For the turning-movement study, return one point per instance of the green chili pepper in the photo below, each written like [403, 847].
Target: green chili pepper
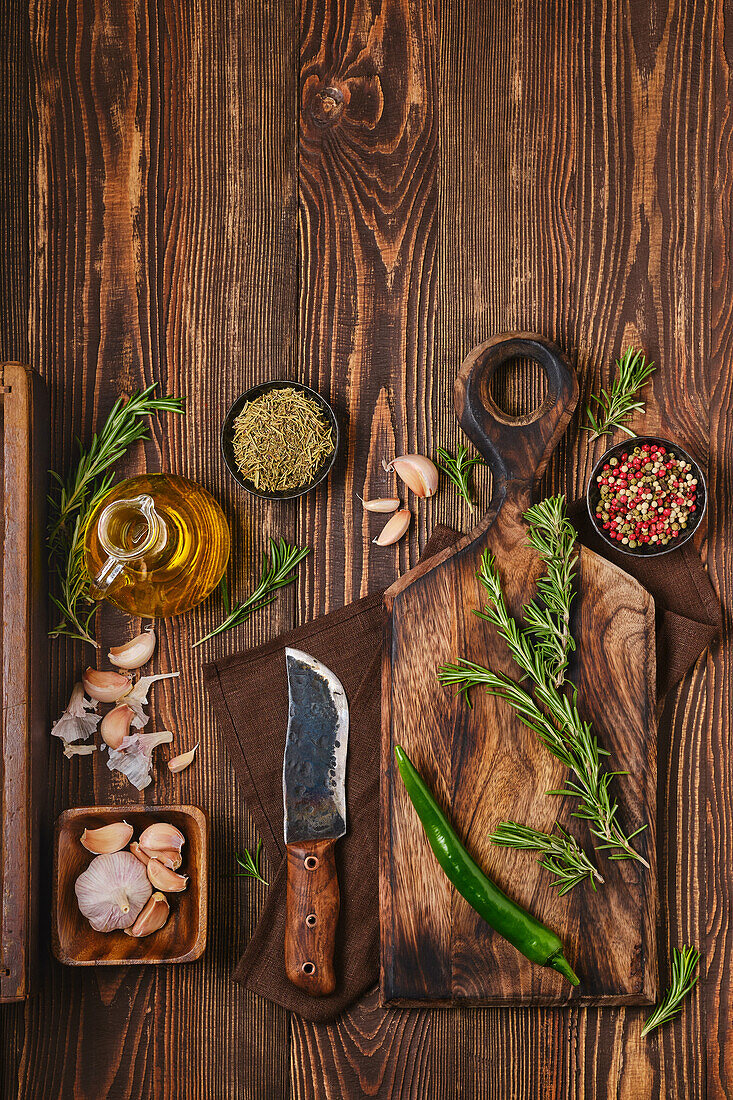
[506, 917]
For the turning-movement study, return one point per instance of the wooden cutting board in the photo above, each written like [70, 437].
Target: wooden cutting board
[24, 740]
[485, 766]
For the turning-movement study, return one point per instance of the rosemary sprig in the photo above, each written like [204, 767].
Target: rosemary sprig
[458, 469]
[72, 505]
[562, 856]
[547, 616]
[550, 712]
[684, 978]
[616, 408]
[250, 864]
[278, 570]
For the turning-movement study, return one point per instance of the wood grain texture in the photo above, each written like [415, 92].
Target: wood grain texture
[164, 246]
[584, 184]
[312, 916]
[24, 659]
[486, 767]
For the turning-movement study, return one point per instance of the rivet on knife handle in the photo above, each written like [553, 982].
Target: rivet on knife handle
[312, 916]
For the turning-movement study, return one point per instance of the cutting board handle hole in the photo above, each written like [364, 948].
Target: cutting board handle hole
[308, 968]
[310, 920]
[310, 862]
[518, 388]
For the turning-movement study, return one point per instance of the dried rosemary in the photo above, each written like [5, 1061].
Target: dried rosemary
[281, 439]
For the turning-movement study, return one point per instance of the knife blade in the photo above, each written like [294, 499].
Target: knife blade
[314, 802]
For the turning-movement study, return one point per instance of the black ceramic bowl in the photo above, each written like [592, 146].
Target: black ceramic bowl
[227, 432]
[593, 495]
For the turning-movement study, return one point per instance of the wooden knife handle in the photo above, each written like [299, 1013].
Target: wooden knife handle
[311, 916]
[517, 449]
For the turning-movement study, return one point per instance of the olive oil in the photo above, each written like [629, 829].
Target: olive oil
[156, 546]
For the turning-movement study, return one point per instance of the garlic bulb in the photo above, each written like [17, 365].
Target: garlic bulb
[418, 473]
[135, 653]
[112, 891]
[393, 529]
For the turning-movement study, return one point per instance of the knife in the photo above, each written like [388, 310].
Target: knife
[314, 797]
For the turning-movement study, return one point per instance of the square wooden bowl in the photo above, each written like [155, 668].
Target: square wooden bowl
[181, 939]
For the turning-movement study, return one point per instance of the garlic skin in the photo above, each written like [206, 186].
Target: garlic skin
[160, 837]
[116, 725]
[76, 723]
[135, 653]
[153, 916]
[138, 696]
[108, 838]
[106, 687]
[393, 529]
[179, 763]
[134, 757]
[112, 891]
[418, 472]
[163, 878]
[381, 504]
[78, 750]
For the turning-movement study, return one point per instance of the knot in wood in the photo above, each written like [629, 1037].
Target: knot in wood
[326, 105]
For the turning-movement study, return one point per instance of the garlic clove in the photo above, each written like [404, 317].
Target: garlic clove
[153, 916]
[381, 504]
[169, 857]
[393, 529]
[108, 838]
[139, 853]
[135, 653]
[112, 891]
[107, 687]
[163, 878]
[161, 836]
[116, 725]
[418, 472]
[179, 763]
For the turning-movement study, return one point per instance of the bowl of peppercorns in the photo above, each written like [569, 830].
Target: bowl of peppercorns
[646, 496]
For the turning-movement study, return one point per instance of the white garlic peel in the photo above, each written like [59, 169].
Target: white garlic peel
[112, 891]
[418, 473]
[393, 529]
[380, 504]
[135, 653]
[77, 723]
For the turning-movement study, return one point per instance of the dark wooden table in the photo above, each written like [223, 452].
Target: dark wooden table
[210, 194]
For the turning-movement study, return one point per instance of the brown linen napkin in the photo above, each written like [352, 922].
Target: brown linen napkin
[250, 696]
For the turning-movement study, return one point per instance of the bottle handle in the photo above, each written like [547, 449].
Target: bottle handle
[100, 585]
[117, 556]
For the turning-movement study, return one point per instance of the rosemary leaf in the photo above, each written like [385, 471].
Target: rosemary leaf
[250, 865]
[540, 652]
[74, 500]
[615, 408]
[561, 854]
[278, 570]
[684, 978]
[458, 470]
